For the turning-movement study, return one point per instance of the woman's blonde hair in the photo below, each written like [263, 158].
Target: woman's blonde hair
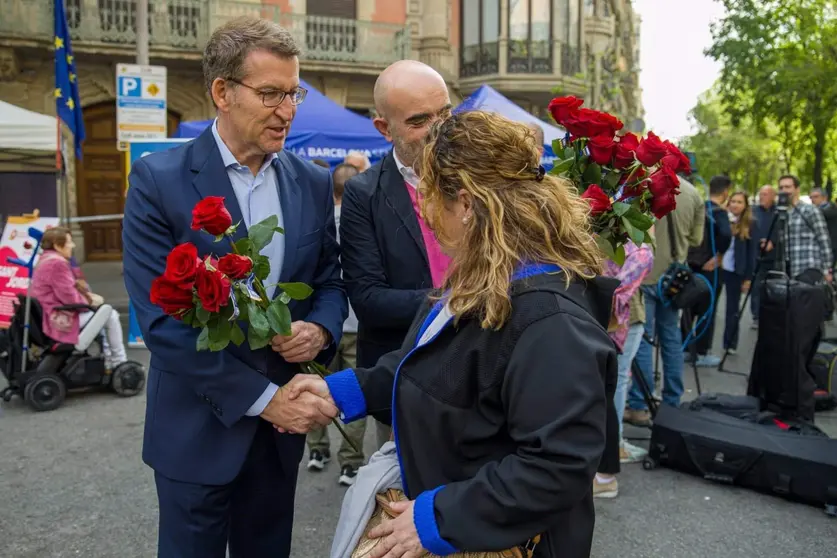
[520, 215]
[741, 228]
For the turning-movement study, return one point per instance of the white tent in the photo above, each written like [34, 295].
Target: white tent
[24, 130]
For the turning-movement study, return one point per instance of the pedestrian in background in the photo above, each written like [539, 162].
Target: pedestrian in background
[738, 263]
[319, 444]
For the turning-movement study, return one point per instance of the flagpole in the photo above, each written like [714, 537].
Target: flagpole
[59, 175]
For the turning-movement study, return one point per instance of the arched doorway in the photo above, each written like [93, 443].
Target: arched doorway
[100, 181]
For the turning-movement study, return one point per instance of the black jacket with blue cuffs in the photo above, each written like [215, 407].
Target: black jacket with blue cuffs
[499, 433]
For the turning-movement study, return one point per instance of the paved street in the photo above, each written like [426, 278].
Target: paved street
[72, 484]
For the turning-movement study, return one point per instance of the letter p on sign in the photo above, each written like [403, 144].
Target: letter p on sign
[129, 87]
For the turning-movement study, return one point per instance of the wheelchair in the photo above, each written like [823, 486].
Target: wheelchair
[52, 369]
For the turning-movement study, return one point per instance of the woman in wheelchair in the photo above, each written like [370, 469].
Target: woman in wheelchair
[54, 284]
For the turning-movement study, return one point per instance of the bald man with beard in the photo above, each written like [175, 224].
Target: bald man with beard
[391, 260]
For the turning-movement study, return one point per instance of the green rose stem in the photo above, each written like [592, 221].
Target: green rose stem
[309, 367]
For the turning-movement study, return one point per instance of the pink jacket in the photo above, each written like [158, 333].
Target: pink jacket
[53, 285]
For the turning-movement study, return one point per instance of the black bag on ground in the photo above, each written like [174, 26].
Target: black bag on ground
[790, 463]
[738, 406]
[790, 319]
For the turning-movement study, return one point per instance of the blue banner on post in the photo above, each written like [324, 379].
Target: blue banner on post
[136, 151]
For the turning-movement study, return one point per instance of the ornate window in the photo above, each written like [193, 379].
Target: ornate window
[480, 32]
[569, 33]
[530, 36]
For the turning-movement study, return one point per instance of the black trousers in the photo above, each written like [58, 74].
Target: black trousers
[609, 464]
[254, 514]
[732, 283]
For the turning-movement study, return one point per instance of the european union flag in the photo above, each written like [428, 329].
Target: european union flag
[67, 103]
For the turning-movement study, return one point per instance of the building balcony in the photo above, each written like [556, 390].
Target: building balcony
[180, 28]
[533, 68]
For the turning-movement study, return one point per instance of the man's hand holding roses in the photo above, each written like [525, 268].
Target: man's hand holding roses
[303, 344]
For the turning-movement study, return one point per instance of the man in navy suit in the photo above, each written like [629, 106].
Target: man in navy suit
[225, 476]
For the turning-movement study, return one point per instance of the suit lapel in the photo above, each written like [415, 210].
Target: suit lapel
[289, 197]
[211, 179]
[395, 190]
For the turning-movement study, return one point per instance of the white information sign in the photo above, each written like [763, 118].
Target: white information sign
[140, 103]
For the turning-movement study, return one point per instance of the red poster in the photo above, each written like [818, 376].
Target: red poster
[16, 243]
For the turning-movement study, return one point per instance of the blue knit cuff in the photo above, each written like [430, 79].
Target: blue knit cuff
[424, 516]
[346, 392]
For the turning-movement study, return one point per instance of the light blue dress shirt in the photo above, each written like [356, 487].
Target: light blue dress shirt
[258, 198]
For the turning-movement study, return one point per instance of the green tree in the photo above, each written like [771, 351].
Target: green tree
[749, 154]
[779, 61]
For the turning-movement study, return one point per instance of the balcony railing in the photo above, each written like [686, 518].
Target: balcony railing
[185, 25]
[480, 60]
[530, 57]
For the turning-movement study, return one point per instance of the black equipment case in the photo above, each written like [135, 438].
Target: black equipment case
[738, 406]
[790, 316]
[794, 461]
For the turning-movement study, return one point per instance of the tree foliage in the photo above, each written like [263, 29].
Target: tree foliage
[779, 63]
[750, 154]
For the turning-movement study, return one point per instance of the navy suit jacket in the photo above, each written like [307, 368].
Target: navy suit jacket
[196, 429]
[385, 262]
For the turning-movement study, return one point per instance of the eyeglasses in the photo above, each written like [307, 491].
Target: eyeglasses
[274, 97]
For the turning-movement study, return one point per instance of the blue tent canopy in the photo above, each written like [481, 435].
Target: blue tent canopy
[488, 99]
[322, 129]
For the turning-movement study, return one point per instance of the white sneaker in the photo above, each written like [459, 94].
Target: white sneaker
[629, 453]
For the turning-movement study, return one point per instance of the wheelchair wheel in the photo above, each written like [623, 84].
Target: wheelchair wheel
[128, 379]
[45, 392]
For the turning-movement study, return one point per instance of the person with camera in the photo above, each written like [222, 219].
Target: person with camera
[807, 241]
[673, 235]
[699, 323]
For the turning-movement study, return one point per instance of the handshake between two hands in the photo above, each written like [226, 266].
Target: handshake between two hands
[301, 405]
[305, 402]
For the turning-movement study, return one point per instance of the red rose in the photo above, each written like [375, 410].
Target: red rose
[235, 266]
[211, 215]
[675, 160]
[663, 182]
[601, 149]
[625, 150]
[663, 205]
[651, 150]
[170, 296]
[598, 200]
[181, 265]
[213, 288]
[588, 123]
[563, 107]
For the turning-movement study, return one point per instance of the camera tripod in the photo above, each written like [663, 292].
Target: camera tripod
[638, 377]
[783, 221]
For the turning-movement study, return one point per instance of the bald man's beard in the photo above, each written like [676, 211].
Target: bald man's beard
[408, 152]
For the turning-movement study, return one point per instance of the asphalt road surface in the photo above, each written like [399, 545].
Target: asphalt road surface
[72, 484]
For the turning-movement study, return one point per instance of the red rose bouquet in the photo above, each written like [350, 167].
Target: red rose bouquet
[217, 295]
[627, 181]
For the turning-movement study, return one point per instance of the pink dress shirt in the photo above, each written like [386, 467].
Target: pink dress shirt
[437, 259]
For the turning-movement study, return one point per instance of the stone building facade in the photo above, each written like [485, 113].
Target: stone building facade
[526, 49]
